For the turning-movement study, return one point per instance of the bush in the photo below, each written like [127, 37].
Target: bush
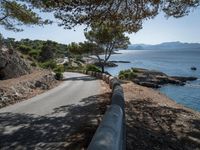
[58, 76]
[59, 68]
[48, 64]
[33, 64]
[135, 70]
[34, 53]
[24, 49]
[73, 68]
[132, 75]
[127, 74]
[92, 68]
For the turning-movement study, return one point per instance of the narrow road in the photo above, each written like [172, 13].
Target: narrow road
[47, 120]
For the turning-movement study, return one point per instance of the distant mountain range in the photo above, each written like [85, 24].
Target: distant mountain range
[165, 46]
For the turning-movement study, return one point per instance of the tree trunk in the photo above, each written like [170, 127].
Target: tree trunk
[102, 67]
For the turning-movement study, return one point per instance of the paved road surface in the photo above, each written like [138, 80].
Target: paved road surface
[42, 121]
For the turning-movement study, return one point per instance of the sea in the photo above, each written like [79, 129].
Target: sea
[171, 62]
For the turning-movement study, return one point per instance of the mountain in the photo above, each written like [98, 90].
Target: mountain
[165, 46]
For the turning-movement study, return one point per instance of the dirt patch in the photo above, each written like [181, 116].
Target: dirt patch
[25, 87]
[156, 122]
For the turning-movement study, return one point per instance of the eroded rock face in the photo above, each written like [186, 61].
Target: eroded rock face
[24, 87]
[12, 65]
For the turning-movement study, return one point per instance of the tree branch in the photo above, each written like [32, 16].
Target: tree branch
[1, 19]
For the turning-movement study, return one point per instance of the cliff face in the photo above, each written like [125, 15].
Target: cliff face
[12, 65]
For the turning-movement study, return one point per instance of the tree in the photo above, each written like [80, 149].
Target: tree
[105, 40]
[47, 51]
[74, 48]
[1, 40]
[130, 14]
[13, 14]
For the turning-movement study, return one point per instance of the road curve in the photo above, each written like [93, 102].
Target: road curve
[22, 123]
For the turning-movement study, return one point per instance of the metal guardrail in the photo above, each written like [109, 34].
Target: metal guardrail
[111, 133]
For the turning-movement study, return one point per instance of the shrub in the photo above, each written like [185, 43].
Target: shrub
[59, 68]
[73, 68]
[24, 49]
[132, 75]
[30, 58]
[34, 53]
[58, 76]
[135, 70]
[127, 74]
[49, 64]
[92, 68]
[33, 64]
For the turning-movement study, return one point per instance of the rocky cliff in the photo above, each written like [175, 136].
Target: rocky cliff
[12, 65]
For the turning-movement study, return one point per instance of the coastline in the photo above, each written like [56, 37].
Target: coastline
[155, 121]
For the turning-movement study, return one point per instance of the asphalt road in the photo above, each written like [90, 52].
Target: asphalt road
[34, 123]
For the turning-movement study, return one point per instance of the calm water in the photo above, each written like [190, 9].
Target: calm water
[170, 62]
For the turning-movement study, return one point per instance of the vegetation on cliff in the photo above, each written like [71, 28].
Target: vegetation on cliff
[152, 78]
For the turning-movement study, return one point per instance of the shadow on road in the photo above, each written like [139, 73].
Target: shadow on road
[69, 127]
[83, 78]
[160, 127]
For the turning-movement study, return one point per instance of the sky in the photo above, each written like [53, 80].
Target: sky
[155, 31]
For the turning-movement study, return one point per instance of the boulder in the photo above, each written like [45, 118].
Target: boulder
[193, 68]
[12, 65]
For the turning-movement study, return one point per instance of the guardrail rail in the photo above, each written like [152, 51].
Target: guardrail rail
[111, 133]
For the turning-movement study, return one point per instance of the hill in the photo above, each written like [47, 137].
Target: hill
[165, 46]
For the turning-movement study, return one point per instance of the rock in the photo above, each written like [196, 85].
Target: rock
[184, 79]
[108, 64]
[193, 68]
[154, 79]
[120, 61]
[12, 65]
[21, 89]
[149, 84]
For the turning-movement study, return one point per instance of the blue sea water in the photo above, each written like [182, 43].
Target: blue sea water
[171, 62]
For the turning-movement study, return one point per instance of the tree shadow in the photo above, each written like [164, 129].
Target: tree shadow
[154, 127]
[83, 78]
[69, 127]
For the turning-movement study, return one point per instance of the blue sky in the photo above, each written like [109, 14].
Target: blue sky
[157, 30]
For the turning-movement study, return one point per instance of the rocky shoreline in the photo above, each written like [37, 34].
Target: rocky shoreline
[152, 78]
[94, 61]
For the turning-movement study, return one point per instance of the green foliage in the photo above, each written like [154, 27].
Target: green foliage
[34, 53]
[34, 64]
[59, 68]
[58, 76]
[73, 68]
[107, 40]
[24, 49]
[74, 48]
[47, 51]
[41, 50]
[130, 14]
[51, 64]
[127, 74]
[92, 68]
[135, 70]
[13, 14]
